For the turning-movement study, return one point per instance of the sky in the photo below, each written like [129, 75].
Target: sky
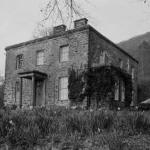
[118, 20]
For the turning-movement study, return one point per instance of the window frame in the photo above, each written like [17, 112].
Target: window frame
[19, 61]
[60, 89]
[128, 65]
[37, 57]
[120, 63]
[133, 73]
[61, 53]
[102, 57]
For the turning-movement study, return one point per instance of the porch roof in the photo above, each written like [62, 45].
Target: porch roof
[29, 74]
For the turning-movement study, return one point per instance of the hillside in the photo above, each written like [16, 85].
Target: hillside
[139, 48]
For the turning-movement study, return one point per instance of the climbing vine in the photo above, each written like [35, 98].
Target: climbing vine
[98, 83]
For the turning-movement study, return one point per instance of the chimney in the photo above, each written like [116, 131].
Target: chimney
[59, 29]
[80, 23]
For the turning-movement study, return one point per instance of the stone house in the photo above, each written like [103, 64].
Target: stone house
[37, 70]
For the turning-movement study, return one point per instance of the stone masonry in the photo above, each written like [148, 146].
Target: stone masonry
[85, 44]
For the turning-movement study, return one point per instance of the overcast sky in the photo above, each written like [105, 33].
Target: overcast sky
[117, 19]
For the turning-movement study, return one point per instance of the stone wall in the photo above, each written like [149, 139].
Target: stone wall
[84, 50]
[78, 51]
[99, 43]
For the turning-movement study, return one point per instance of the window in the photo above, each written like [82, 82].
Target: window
[128, 65]
[122, 91]
[117, 91]
[120, 63]
[133, 73]
[40, 57]
[102, 57]
[63, 88]
[106, 60]
[64, 53]
[19, 61]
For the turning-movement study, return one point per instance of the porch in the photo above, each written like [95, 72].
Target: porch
[37, 85]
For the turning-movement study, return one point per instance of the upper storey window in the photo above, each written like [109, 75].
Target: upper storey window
[40, 57]
[64, 53]
[133, 73]
[102, 57]
[128, 65]
[19, 61]
[120, 63]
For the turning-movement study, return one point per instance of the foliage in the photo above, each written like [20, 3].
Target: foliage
[72, 128]
[76, 85]
[98, 83]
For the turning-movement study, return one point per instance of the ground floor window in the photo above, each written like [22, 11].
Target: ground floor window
[117, 91]
[122, 91]
[63, 88]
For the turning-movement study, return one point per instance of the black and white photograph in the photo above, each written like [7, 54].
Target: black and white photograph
[75, 75]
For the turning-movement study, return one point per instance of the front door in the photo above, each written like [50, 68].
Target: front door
[40, 94]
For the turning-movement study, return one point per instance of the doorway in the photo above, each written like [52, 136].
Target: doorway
[40, 93]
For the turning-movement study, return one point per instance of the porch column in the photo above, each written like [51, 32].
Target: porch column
[21, 80]
[120, 89]
[33, 91]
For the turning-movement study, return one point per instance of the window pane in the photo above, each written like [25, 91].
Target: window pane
[102, 57]
[19, 61]
[63, 88]
[120, 63]
[64, 53]
[133, 73]
[128, 65]
[40, 58]
[64, 83]
[64, 94]
[117, 91]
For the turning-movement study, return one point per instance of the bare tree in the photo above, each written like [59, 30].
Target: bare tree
[58, 12]
[62, 11]
[42, 31]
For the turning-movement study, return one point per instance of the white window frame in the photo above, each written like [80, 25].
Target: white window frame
[63, 89]
[40, 59]
[64, 53]
[102, 57]
[19, 61]
[133, 72]
[116, 92]
[128, 65]
[120, 63]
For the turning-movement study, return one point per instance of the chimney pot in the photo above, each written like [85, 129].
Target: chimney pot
[80, 23]
[59, 29]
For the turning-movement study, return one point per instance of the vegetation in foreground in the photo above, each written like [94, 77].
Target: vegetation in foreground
[75, 129]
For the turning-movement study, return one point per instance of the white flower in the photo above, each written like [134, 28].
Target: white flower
[31, 107]
[11, 122]
[91, 110]
[73, 107]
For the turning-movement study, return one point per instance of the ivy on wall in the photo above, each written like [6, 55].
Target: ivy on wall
[76, 85]
[98, 83]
